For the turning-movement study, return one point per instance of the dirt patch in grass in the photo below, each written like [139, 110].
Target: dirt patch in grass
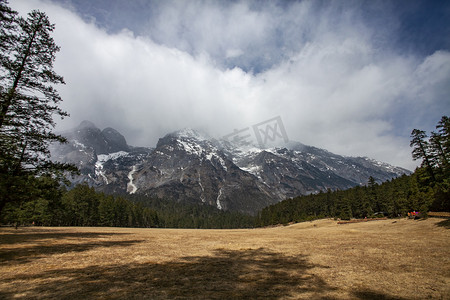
[387, 259]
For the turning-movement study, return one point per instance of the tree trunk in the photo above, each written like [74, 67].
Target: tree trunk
[11, 92]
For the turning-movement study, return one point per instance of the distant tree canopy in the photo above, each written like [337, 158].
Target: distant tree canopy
[28, 103]
[434, 151]
[81, 206]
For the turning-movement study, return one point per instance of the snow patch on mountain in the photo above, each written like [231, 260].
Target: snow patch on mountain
[202, 196]
[204, 150]
[212, 155]
[99, 171]
[131, 187]
[188, 133]
[252, 169]
[102, 159]
[78, 145]
[219, 205]
[191, 148]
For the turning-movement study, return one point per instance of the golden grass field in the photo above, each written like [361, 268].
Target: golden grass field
[385, 259]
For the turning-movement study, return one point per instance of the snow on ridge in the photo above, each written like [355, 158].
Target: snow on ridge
[391, 168]
[105, 157]
[191, 148]
[273, 151]
[244, 148]
[192, 134]
[203, 153]
[252, 169]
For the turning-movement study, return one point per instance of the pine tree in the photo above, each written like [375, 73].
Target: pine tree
[439, 156]
[441, 146]
[28, 100]
[422, 150]
[7, 26]
[441, 142]
[444, 130]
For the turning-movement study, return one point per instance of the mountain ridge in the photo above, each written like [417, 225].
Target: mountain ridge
[189, 166]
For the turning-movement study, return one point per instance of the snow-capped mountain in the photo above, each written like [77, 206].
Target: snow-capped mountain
[103, 157]
[187, 167]
[191, 167]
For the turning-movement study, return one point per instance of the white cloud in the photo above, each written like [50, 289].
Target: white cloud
[333, 86]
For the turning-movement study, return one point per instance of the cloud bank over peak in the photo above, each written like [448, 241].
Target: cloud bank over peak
[334, 73]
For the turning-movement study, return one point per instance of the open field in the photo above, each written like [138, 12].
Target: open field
[385, 259]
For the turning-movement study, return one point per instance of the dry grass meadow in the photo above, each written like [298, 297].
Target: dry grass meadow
[386, 259]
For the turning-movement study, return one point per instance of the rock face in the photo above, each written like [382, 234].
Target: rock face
[114, 140]
[187, 166]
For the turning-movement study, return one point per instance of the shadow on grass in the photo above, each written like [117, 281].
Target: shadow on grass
[444, 223]
[28, 235]
[373, 295]
[228, 274]
[38, 243]
[13, 256]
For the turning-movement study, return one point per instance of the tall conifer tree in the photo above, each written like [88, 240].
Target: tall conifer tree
[421, 150]
[28, 101]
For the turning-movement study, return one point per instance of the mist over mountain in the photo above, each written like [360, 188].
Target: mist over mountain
[188, 166]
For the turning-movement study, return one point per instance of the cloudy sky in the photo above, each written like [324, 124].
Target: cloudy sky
[353, 77]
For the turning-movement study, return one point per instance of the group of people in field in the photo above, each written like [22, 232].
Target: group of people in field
[414, 215]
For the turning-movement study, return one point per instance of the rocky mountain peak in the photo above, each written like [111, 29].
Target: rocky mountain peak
[184, 137]
[87, 136]
[86, 124]
[189, 133]
[116, 141]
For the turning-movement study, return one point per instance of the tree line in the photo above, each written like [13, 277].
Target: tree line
[80, 206]
[173, 214]
[53, 205]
